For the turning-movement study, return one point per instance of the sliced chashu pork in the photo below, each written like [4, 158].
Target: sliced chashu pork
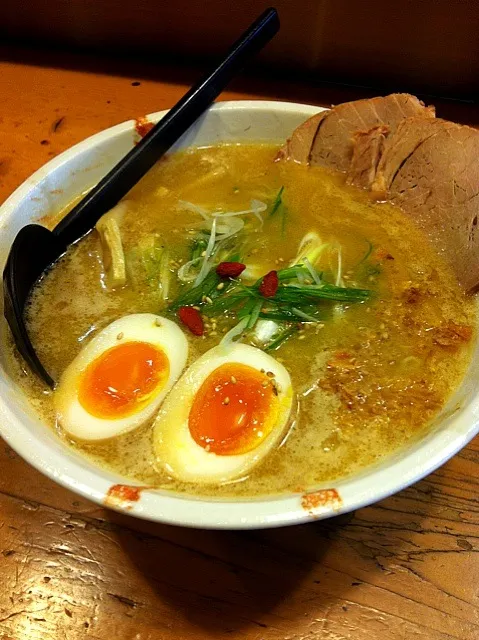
[431, 170]
[426, 165]
[368, 148]
[327, 139]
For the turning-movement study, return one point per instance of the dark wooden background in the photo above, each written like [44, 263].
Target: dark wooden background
[426, 45]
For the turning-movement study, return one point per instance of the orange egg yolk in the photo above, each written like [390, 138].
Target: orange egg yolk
[234, 410]
[123, 380]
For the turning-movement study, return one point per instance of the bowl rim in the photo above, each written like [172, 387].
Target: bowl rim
[342, 496]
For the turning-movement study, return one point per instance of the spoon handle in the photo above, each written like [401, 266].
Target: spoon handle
[116, 184]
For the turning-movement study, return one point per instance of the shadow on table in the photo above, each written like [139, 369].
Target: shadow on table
[223, 581]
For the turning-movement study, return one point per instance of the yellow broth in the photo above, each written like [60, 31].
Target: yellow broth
[368, 377]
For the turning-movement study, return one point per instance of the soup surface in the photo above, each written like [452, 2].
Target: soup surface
[369, 372]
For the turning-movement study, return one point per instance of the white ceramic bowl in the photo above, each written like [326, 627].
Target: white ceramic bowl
[52, 187]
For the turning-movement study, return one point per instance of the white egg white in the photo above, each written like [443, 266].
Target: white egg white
[176, 450]
[143, 327]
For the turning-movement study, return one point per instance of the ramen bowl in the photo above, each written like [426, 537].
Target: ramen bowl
[57, 184]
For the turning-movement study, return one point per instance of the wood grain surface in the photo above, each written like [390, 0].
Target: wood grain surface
[405, 568]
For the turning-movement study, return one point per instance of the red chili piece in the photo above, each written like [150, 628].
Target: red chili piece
[143, 126]
[192, 319]
[230, 269]
[269, 284]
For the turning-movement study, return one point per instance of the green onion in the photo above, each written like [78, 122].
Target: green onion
[280, 315]
[303, 315]
[298, 295]
[230, 302]
[247, 308]
[314, 274]
[311, 247]
[149, 262]
[289, 273]
[292, 272]
[293, 303]
[242, 300]
[368, 252]
[277, 202]
[195, 295]
[255, 314]
[199, 245]
[278, 341]
[165, 274]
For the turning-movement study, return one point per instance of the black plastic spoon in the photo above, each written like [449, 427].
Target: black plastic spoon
[36, 248]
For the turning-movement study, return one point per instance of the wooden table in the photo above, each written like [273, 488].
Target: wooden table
[405, 568]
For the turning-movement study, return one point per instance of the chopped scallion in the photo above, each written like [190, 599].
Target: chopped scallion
[277, 202]
[195, 295]
[255, 314]
[303, 315]
[282, 337]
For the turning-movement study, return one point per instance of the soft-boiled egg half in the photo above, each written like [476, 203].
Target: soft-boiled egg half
[119, 379]
[222, 417]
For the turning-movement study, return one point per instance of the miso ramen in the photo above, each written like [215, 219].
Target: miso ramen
[241, 327]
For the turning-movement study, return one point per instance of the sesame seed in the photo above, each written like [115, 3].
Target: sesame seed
[213, 333]
[203, 298]
[226, 400]
[197, 308]
[302, 337]
[233, 380]
[265, 383]
[320, 325]
[120, 336]
[203, 253]
[221, 286]
[208, 300]
[270, 374]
